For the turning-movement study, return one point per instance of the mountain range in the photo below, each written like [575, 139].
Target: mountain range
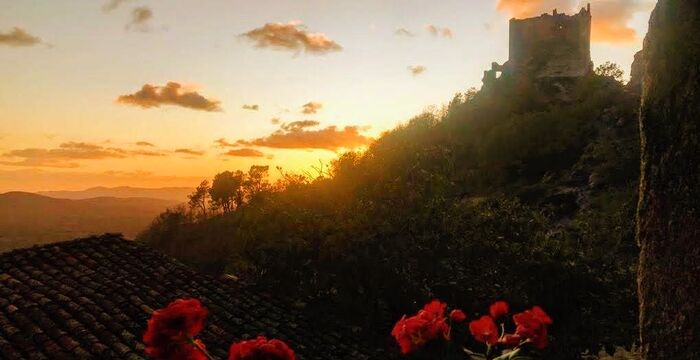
[166, 193]
[29, 219]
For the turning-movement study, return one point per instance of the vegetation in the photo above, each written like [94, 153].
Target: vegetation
[504, 193]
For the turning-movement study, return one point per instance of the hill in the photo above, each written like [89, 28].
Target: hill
[520, 191]
[28, 219]
[178, 194]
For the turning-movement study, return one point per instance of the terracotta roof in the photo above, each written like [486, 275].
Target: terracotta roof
[90, 299]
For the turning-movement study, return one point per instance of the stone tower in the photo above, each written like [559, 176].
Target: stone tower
[552, 45]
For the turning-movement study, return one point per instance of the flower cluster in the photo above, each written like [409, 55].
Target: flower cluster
[431, 324]
[172, 332]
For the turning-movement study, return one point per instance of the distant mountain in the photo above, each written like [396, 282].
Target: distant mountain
[167, 193]
[27, 219]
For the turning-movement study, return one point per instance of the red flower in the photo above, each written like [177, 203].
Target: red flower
[429, 324]
[532, 325]
[539, 313]
[498, 309]
[171, 331]
[484, 330]
[510, 340]
[457, 315]
[260, 349]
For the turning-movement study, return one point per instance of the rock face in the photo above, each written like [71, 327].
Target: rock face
[669, 207]
[637, 73]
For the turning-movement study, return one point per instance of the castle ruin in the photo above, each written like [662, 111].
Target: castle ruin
[552, 45]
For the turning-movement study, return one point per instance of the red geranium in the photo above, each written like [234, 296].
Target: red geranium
[260, 349]
[532, 325]
[457, 315]
[484, 330]
[171, 331]
[498, 309]
[429, 324]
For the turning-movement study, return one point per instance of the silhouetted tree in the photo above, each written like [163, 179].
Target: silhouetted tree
[199, 197]
[610, 69]
[669, 213]
[226, 192]
[256, 182]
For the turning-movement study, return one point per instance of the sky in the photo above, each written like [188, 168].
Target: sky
[166, 93]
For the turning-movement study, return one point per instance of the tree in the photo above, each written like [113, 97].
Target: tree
[610, 69]
[198, 198]
[256, 181]
[226, 190]
[668, 215]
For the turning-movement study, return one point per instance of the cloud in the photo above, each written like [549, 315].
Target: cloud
[253, 107]
[298, 137]
[18, 37]
[275, 120]
[299, 125]
[144, 143]
[438, 31]
[66, 155]
[172, 93]
[223, 143]
[417, 69]
[112, 5]
[245, 152]
[146, 153]
[291, 36]
[610, 18]
[140, 17]
[311, 107]
[404, 32]
[191, 152]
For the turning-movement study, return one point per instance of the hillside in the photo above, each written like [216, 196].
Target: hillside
[178, 194]
[518, 192]
[28, 219]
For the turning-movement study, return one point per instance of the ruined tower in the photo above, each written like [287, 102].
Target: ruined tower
[552, 45]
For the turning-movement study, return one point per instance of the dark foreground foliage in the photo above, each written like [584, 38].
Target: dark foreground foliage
[504, 193]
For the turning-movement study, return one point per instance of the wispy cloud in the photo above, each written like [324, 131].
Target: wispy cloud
[299, 125]
[223, 143]
[291, 36]
[190, 152]
[67, 154]
[18, 37]
[253, 107]
[438, 31]
[113, 5]
[244, 152]
[140, 18]
[144, 143]
[417, 69]
[404, 32]
[153, 96]
[311, 107]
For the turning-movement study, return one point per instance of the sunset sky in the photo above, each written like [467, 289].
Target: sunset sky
[166, 93]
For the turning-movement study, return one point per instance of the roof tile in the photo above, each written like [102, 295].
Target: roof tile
[90, 298]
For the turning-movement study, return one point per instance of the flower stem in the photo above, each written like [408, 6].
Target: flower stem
[201, 349]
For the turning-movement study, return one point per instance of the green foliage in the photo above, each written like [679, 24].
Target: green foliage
[498, 195]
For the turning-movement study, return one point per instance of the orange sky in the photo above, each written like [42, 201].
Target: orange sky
[132, 92]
